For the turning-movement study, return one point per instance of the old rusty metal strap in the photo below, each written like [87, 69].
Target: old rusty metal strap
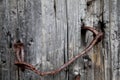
[21, 63]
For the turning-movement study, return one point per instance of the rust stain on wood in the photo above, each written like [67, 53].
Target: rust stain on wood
[96, 56]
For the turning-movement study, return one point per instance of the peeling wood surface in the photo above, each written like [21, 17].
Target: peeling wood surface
[51, 33]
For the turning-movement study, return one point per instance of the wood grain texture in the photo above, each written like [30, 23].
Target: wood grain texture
[111, 42]
[75, 12]
[117, 74]
[51, 33]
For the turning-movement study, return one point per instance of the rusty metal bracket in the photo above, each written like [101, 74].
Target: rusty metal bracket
[22, 64]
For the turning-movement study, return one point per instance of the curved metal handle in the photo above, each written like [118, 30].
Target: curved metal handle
[98, 36]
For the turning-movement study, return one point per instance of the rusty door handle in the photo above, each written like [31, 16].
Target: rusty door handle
[21, 63]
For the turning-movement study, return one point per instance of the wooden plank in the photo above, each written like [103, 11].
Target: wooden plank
[6, 39]
[114, 39]
[3, 49]
[13, 22]
[48, 37]
[97, 55]
[93, 68]
[89, 21]
[53, 37]
[117, 74]
[29, 19]
[75, 13]
[106, 44]
[111, 42]
[60, 37]
[25, 34]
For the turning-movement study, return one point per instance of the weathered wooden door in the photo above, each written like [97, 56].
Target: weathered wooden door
[51, 33]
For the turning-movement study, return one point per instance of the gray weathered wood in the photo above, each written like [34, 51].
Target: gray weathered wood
[111, 39]
[51, 33]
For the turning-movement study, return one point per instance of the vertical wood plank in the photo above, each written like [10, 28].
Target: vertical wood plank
[97, 55]
[107, 49]
[30, 17]
[117, 74]
[48, 37]
[4, 67]
[114, 39]
[8, 14]
[75, 13]
[93, 68]
[111, 42]
[13, 24]
[60, 37]
[54, 27]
